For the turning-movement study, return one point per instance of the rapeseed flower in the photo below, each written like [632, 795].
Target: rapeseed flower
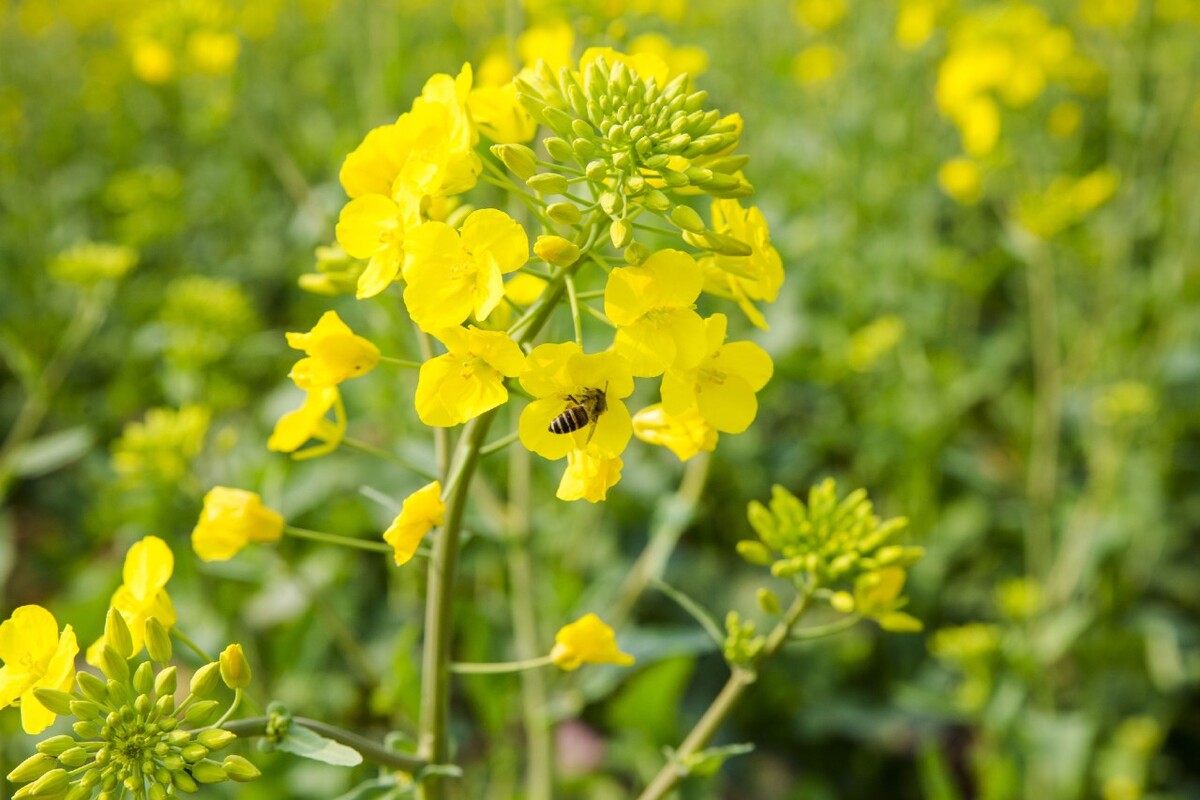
[231, 519]
[35, 655]
[962, 180]
[723, 384]
[588, 477]
[684, 434]
[451, 275]
[373, 227]
[652, 307]
[142, 594]
[309, 421]
[421, 511]
[744, 279]
[469, 379]
[561, 376]
[335, 353]
[587, 640]
[500, 115]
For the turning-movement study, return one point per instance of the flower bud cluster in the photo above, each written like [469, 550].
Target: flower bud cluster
[639, 144]
[840, 546]
[131, 738]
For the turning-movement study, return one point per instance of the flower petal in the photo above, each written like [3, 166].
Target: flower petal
[148, 566]
[495, 239]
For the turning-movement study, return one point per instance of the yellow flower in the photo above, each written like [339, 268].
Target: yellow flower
[451, 275]
[878, 595]
[962, 180]
[148, 566]
[500, 116]
[309, 422]
[819, 15]
[1066, 201]
[468, 380]
[229, 520]
[979, 125]
[723, 384]
[587, 640]
[153, 62]
[212, 53]
[652, 307]
[588, 477]
[915, 21]
[551, 42]
[35, 656]
[692, 61]
[372, 227]
[684, 434]
[335, 354]
[645, 64]
[561, 376]
[757, 276]
[422, 510]
[1064, 119]
[818, 63]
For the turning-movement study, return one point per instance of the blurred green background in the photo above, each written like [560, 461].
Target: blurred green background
[989, 217]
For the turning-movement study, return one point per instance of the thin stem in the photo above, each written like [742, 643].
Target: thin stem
[373, 751]
[400, 362]
[337, 539]
[741, 678]
[499, 667]
[598, 315]
[195, 648]
[594, 294]
[237, 701]
[379, 452]
[441, 437]
[499, 444]
[828, 629]
[574, 303]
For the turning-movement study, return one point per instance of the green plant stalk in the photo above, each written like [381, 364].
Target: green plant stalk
[337, 539]
[371, 750]
[739, 680]
[1042, 475]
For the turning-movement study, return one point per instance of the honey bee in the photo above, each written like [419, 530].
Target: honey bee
[584, 409]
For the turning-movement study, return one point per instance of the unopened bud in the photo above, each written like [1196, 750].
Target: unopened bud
[202, 713]
[52, 784]
[56, 745]
[655, 200]
[184, 782]
[240, 769]
[754, 552]
[116, 633]
[636, 253]
[157, 792]
[158, 641]
[559, 149]
[118, 693]
[566, 213]
[596, 171]
[556, 250]
[585, 148]
[842, 602]
[75, 757]
[113, 665]
[768, 601]
[165, 682]
[143, 678]
[235, 670]
[54, 700]
[519, 159]
[193, 752]
[215, 738]
[204, 680]
[547, 183]
[92, 687]
[686, 218]
[32, 768]
[209, 772]
[621, 233]
[612, 204]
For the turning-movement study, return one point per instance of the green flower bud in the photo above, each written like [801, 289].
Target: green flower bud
[754, 552]
[79, 792]
[235, 670]
[612, 204]
[596, 171]
[695, 100]
[204, 680]
[240, 769]
[118, 693]
[548, 183]
[209, 772]
[636, 184]
[75, 757]
[116, 634]
[158, 641]
[54, 700]
[636, 253]
[622, 160]
[566, 213]
[32, 768]
[559, 149]
[202, 713]
[86, 730]
[142, 704]
[173, 762]
[621, 233]
[165, 706]
[194, 752]
[216, 738]
[164, 682]
[842, 602]
[85, 709]
[672, 178]
[558, 121]
[728, 165]
[686, 218]
[184, 782]
[583, 130]
[585, 148]
[143, 678]
[657, 161]
[676, 144]
[56, 745]
[157, 792]
[556, 250]
[168, 724]
[656, 200]
[52, 784]
[768, 601]
[113, 665]
[519, 159]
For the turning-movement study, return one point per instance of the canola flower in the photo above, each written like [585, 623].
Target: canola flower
[231, 519]
[587, 640]
[35, 655]
[334, 354]
[421, 511]
[142, 595]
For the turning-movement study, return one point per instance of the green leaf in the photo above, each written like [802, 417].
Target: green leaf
[376, 788]
[53, 451]
[708, 761]
[305, 743]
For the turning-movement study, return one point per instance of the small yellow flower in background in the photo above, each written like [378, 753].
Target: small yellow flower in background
[689, 60]
[468, 380]
[744, 279]
[335, 353]
[652, 307]
[310, 422]
[645, 64]
[723, 385]
[1108, 13]
[451, 275]
[212, 53]
[153, 62]
[372, 227]
[231, 519]
[35, 656]
[878, 595]
[159, 449]
[819, 15]
[148, 566]
[422, 510]
[500, 116]
[916, 21]
[1066, 201]
[87, 263]
[873, 341]
[962, 180]
[818, 63]
[979, 125]
[559, 376]
[551, 42]
[587, 640]
[1064, 119]
[588, 477]
[684, 434]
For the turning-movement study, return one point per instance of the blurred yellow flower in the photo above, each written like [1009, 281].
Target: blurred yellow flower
[421, 510]
[587, 640]
[1108, 13]
[159, 448]
[818, 63]
[212, 53]
[469, 379]
[819, 15]
[35, 656]
[310, 422]
[1066, 201]
[588, 477]
[500, 116]
[335, 354]
[723, 384]
[878, 595]
[644, 64]
[916, 21]
[454, 274]
[88, 263]
[1064, 119]
[874, 340]
[652, 307]
[979, 125]
[962, 180]
[231, 519]
[148, 566]
[559, 376]
[684, 434]
[689, 60]
[551, 42]
[153, 62]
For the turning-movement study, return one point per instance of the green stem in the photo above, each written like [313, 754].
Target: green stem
[370, 750]
[400, 362]
[499, 667]
[741, 678]
[337, 539]
[379, 452]
[828, 629]
[237, 701]
[499, 444]
[195, 648]
[598, 315]
[573, 300]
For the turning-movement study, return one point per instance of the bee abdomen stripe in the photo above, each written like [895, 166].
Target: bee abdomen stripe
[569, 420]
